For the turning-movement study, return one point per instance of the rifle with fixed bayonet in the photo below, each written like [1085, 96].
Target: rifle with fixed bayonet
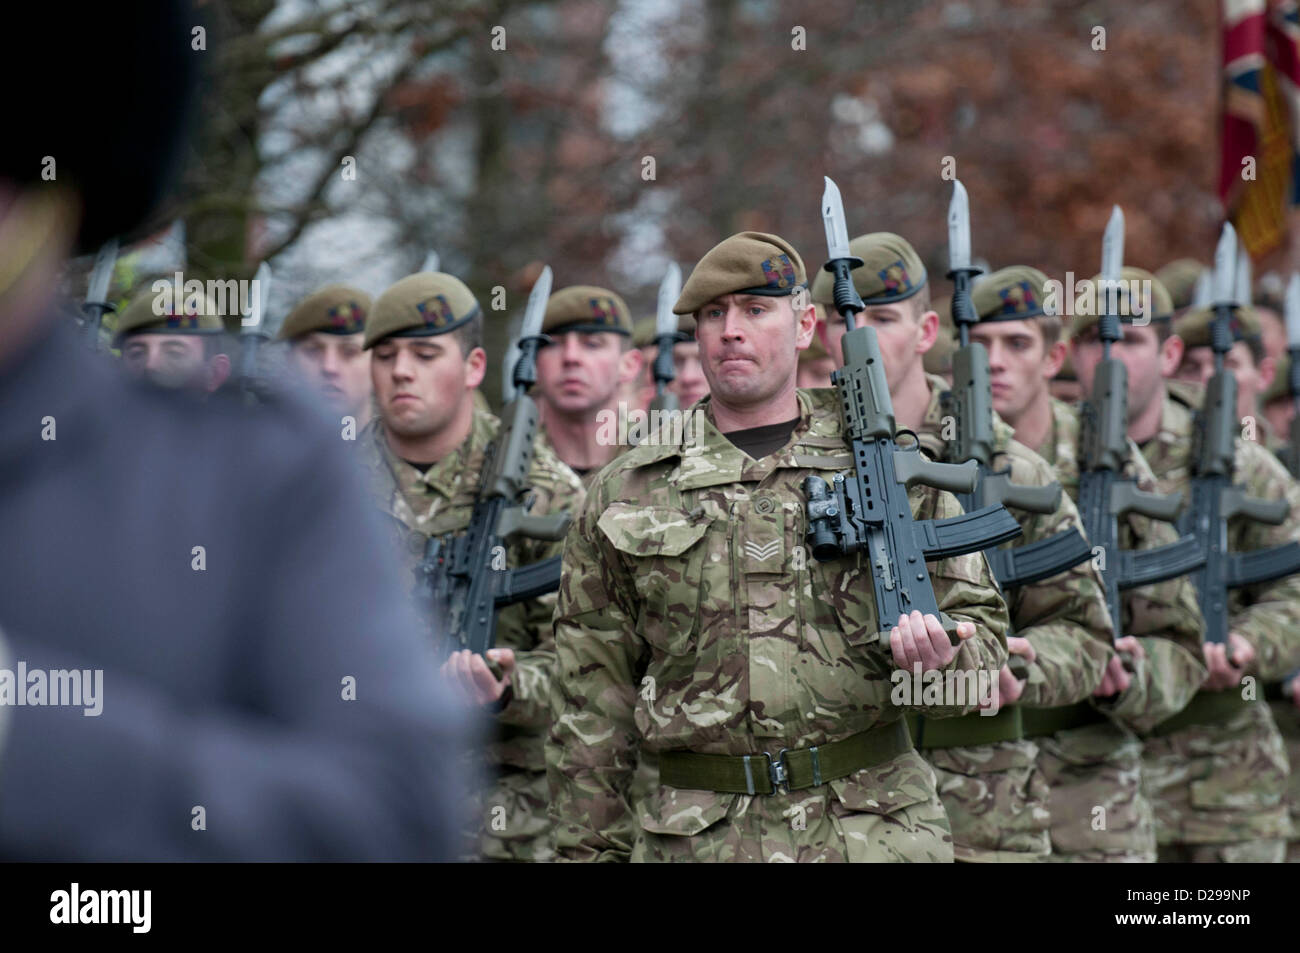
[463, 576]
[252, 331]
[1215, 498]
[867, 508]
[666, 335]
[1106, 493]
[970, 402]
[1290, 454]
[97, 304]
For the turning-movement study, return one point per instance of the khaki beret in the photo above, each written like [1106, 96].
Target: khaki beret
[643, 332]
[891, 271]
[753, 263]
[1194, 326]
[421, 305]
[152, 312]
[1093, 299]
[1179, 278]
[1010, 294]
[586, 308]
[334, 309]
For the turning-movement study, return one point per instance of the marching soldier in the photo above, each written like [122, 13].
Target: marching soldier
[1216, 771]
[425, 451]
[181, 345]
[1247, 361]
[1089, 754]
[581, 374]
[326, 335]
[691, 623]
[989, 781]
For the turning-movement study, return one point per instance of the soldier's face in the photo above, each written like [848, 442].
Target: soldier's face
[1253, 379]
[1020, 364]
[337, 365]
[1147, 360]
[749, 345]
[581, 371]
[177, 361]
[690, 384]
[422, 384]
[904, 331]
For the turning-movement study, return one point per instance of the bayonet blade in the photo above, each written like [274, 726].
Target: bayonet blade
[1225, 264]
[1112, 246]
[958, 228]
[837, 230]
[1203, 293]
[432, 262]
[670, 289]
[1292, 309]
[1244, 277]
[101, 276]
[536, 309]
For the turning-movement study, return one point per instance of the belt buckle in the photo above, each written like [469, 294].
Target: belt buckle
[778, 771]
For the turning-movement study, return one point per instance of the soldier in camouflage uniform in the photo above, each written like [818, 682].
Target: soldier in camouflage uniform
[989, 780]
[1216, 771]
[180, 345]
[425, 451]
[581, 375]
[1089, 753]
[326, 337]
[692, 623]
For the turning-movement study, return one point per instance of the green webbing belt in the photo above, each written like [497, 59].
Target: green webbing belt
[1205, 708]
[968, 730]
[801, 768]
[1048, 721]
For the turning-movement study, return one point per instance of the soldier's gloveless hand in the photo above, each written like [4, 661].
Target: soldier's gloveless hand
[470, 674]
[922, 639]
[1227, 662]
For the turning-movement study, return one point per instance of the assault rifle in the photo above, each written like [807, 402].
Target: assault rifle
[97, 304]
[463, 576]
[1215, 499]
[1105, 493]
[1290, 455]
[666, 335]
[971, 404]
[868, 509]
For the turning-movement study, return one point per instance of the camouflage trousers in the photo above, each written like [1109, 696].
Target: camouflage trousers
[513, 823]
[859, 819]
[1099, 813]
[1219, 786]
[996, 799]
[1288, 725]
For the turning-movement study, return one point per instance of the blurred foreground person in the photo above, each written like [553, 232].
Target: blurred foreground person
[326, 332]
[211, 658]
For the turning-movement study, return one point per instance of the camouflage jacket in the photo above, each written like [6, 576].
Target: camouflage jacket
[690, 617]
[1065, 616]
[1165, 616]
[440, 501]
[1268, 615]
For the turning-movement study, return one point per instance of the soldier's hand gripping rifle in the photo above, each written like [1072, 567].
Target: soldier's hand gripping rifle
[868, 509]
[1105, 492]
[1215, 499]
[463, 576]
[1290, 455]
[666, 335]
[97, 304]
[971, 404]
